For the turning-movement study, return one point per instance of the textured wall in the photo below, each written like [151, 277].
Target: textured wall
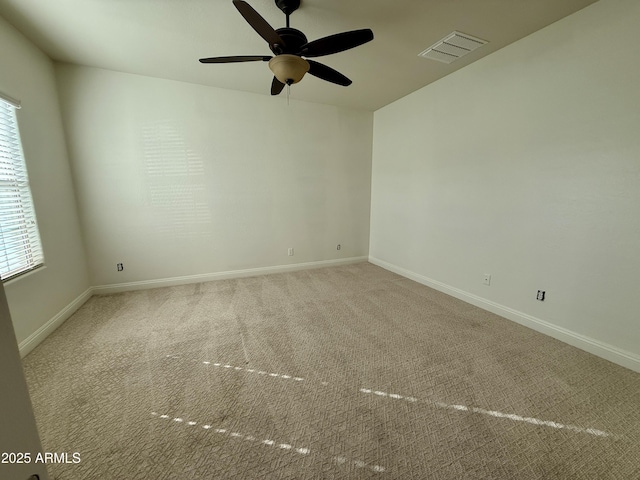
[175, 179]
[525, 165]
[28, 75]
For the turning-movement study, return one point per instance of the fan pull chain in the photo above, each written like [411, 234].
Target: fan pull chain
[288, 92]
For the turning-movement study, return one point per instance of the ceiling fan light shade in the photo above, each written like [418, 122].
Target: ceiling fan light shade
[289, 69]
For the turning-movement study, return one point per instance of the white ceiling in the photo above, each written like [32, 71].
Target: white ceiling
[165, 39]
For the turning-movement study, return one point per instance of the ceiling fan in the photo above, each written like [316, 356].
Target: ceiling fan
[290, 46]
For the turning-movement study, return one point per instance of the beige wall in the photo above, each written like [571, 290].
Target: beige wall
[525, 165]
[18, 430]
[177, 179]
[35, 299]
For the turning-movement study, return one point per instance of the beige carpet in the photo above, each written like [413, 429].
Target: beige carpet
[342, 372]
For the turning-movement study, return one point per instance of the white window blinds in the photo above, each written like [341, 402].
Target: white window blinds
[20, 247]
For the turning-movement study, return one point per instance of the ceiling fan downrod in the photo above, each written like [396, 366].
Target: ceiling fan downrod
[288, 7]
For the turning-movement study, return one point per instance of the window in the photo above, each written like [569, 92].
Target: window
[20, 247]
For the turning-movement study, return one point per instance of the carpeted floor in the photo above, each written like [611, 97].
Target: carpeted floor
[336, 373]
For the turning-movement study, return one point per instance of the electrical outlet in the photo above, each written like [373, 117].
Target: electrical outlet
[290, 252]
[120, 267]
[487, 279]
[338, 247]
[540, 295]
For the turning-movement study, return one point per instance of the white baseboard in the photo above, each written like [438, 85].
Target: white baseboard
[208, 277]
[33, 340]
[596, 347]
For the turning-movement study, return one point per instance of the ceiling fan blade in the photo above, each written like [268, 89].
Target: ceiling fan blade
[336, 43]
[276, 86]
[241, 58]
[327, 73]
[258, 23]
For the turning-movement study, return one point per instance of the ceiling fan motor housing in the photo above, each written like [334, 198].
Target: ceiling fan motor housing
[293, 39]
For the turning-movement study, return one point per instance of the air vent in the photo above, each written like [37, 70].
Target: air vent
[452, 47]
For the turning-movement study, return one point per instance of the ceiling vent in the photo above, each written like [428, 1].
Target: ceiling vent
[452, 47]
